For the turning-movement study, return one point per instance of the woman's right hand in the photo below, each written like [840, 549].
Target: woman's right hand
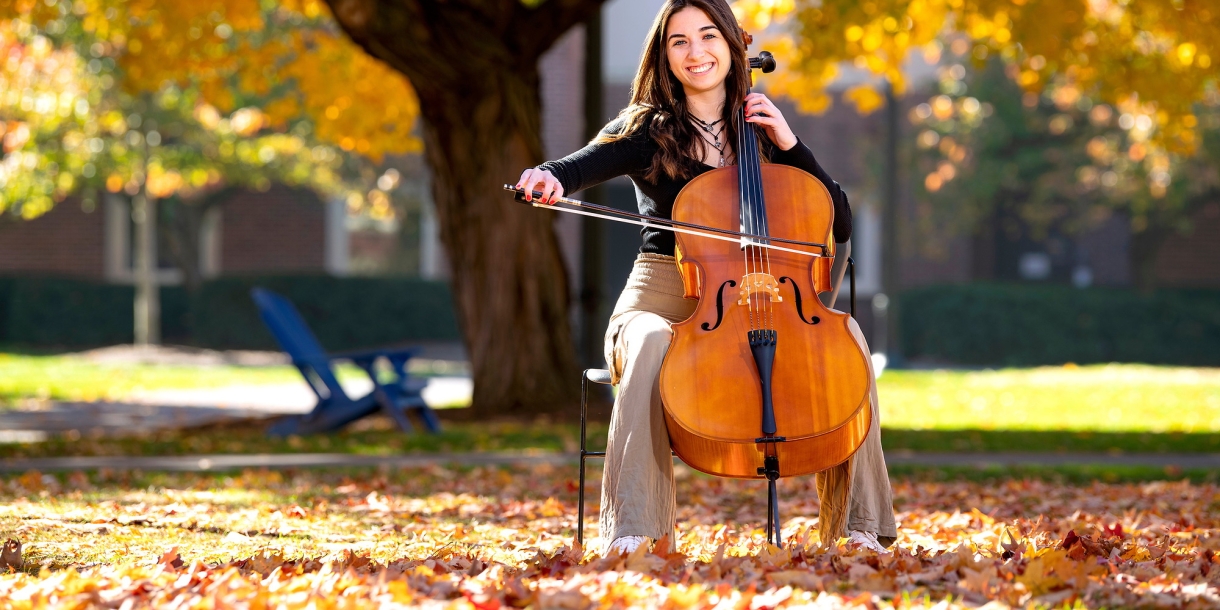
[536, 179]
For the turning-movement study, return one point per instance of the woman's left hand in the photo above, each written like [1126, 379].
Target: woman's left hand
[762, 111]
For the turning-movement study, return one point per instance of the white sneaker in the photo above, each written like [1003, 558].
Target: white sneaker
[865, 540]
[626, 544]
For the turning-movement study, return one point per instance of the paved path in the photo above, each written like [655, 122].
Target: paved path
[114, 417]
[205, 463]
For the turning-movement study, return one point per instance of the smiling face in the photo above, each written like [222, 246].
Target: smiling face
[697, 51]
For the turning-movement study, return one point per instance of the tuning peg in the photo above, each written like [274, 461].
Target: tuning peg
[765, 62]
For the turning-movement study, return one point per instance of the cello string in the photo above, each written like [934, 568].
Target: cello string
[750, 212]
[765, 254]
[759, 221]
[759, 217]
[759, 212]
[761, 224]
[767, 257]
[759, 228]
[743, 214]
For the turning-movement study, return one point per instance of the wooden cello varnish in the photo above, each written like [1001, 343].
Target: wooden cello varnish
[711, 380]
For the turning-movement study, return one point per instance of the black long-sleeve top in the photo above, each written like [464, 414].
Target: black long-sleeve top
[632, 156]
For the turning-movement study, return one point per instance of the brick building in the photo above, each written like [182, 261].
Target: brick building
[280, 230]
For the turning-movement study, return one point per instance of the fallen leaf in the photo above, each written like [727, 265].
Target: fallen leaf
[10, 555]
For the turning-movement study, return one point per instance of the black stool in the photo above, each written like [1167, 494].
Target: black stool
[601, 376]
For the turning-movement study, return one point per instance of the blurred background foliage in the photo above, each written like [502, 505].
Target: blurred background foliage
[1054, 114]
[1061, 109]
[192, 97]
[1057, 160]
[188, 99]
[1156, 55]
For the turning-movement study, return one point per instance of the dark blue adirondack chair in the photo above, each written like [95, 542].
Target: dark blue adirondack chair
[335, 408]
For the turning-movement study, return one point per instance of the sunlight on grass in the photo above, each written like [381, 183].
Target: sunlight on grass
[1109, 398]
[72, 378]
[1102, 398]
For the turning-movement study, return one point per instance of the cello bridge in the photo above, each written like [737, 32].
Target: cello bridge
[753, 283]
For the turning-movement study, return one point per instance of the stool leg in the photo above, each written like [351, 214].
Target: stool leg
[851, 271]
[580, 502]
[580, 505]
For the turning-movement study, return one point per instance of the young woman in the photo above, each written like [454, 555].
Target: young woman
[691, 82]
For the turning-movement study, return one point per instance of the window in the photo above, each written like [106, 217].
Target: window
[120, 245]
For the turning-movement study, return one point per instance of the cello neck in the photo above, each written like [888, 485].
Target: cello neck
[749, 166]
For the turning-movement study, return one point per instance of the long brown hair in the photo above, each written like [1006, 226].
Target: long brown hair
[658, 102]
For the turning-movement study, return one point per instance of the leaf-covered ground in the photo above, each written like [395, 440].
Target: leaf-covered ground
[495, 537]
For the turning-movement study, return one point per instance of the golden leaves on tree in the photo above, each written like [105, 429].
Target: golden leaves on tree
[1156, 52]
[41, 99]
[253, 92]
[288, 57]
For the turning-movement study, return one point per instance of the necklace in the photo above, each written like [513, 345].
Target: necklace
[714, 134]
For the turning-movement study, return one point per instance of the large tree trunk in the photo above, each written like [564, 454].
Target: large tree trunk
[508, 277]
[473, 64]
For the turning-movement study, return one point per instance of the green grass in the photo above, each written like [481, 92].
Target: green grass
[1063, 475]
[1111, 408]
[71, 378]
[1052, 441]
[1103, 398]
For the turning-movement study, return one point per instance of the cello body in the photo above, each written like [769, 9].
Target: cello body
[711, 382]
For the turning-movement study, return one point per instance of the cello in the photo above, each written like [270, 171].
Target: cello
[762, 381]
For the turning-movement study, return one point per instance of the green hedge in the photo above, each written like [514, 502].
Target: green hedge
[974, 324]
[1015, 325]
[64, 312]
[344, 313]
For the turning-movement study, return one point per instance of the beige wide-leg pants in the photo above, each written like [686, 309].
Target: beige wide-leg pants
[638, 482]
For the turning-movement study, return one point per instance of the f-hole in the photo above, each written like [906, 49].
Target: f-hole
[800, 311]
[719, 306]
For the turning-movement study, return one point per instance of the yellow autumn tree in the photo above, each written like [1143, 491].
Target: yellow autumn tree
[186, 101]
[1160, 54]
[287, 57]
